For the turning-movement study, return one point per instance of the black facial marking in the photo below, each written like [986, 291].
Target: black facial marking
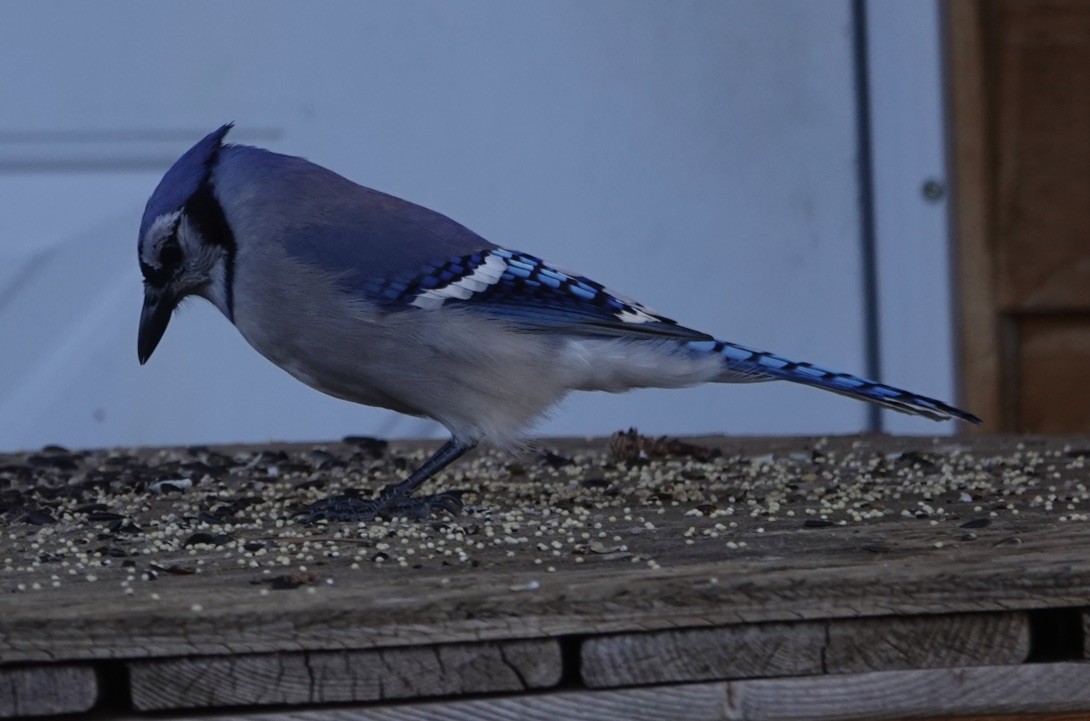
[154, 277]
[206, 213]
[170, 253]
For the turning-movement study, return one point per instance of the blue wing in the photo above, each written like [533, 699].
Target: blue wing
[525, 291]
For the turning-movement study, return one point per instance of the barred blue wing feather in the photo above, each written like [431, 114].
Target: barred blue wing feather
[740, 360]
[528, 293]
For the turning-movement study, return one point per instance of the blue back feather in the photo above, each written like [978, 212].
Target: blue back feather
[371, 234]
[332, 223]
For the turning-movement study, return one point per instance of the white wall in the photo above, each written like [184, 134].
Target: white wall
[700, 156]
[916, 329]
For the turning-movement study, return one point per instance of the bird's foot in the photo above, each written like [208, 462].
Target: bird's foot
[351, 507]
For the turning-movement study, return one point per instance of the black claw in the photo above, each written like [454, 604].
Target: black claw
[426, 506]
[450, 501]
[396, 500]
[339, 508]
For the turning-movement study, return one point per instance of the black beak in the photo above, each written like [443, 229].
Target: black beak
[158, 305]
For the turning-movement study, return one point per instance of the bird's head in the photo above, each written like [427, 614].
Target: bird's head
[186, 246]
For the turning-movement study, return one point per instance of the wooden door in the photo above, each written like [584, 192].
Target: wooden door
[1020, 73]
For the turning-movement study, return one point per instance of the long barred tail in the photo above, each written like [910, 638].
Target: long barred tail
[746, 364]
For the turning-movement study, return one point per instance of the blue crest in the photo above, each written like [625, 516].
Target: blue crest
[184, 178]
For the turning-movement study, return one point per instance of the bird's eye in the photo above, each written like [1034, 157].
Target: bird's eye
[170, 255]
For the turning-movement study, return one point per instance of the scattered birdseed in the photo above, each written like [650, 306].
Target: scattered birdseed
[230, 513]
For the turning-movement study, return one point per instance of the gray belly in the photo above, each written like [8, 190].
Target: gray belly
[340, 359]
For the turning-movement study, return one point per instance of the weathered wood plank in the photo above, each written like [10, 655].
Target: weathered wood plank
[886, 696]
[806, 648]
[887, 644]
[767, 649]
[1045, 568]
[46, 690]
[695, 702]
[594, 548]
[1031, 688]
[503, 606]
[337, 677]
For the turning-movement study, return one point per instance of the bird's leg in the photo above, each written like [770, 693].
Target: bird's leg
[398, 497]
[396, 500]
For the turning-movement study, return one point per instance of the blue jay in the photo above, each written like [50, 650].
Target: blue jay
[376, 300]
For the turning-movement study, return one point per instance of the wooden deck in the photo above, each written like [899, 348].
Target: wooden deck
[798, 578]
